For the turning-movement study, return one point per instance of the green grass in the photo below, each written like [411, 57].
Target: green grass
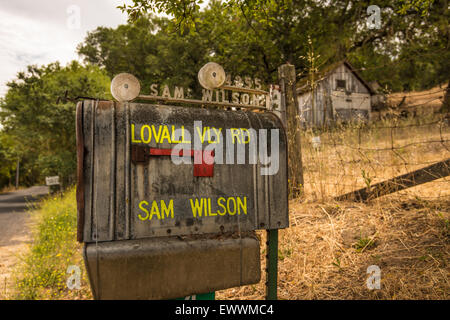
[42, 271]
[284, 253]
[445, 225]
[364, 243]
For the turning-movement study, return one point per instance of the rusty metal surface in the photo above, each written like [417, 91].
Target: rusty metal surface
[114, 185]
[80, 171]
[169, 268]
[141, 155]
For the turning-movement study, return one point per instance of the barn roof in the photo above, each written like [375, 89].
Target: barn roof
[325, 72]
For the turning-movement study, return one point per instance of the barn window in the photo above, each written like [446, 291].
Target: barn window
[340, 84]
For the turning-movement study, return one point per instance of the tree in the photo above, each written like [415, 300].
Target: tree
[8, 159]
[42, 128]
[146, 49]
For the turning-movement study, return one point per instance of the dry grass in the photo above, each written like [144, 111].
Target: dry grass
[431, 98]
[421, 103]
[326, 251]
[355, 157]
[320, 259]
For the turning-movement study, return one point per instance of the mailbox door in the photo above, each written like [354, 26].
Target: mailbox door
[169, 268]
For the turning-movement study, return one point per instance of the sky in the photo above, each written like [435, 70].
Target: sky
[44, 31]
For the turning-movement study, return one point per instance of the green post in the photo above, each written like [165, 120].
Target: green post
[272, 264]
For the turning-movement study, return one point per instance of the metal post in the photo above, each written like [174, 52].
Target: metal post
[272, 264]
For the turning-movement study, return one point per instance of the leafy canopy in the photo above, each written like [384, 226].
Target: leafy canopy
[410, 50]
[38, 127]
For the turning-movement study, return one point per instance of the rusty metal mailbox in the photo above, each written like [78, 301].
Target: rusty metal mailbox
[169, 197]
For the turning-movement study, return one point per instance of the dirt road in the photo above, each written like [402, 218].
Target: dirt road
[14, 229]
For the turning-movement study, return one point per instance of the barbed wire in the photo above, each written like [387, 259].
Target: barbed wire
[391, 165]
[370, 127]
[361, 167]
[360, 184]
[388, 149]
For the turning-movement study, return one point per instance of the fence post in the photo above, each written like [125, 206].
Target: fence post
[291, 120]
[289, 104]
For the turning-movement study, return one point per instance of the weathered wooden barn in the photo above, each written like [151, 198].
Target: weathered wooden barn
[340, 94]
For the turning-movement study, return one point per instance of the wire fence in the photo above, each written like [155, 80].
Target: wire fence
[349, 157]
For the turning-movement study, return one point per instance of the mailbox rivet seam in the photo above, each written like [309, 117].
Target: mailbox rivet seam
[112, 209]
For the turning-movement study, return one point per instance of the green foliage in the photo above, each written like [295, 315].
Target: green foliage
[38, 130]
[367, 178]
[337, 263]
[364, 243]
[182, 11]
[420, 6]
[411, 52]
[284, 253]
[147, 49]
[42, 273]
[445, 224]
[8, 160]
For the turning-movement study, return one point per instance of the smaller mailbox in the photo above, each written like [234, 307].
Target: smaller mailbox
[169, 197]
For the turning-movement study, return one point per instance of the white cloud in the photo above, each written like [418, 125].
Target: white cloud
[40, 32]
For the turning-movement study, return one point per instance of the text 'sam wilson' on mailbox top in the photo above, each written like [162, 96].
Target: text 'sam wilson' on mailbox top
[130, 188]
